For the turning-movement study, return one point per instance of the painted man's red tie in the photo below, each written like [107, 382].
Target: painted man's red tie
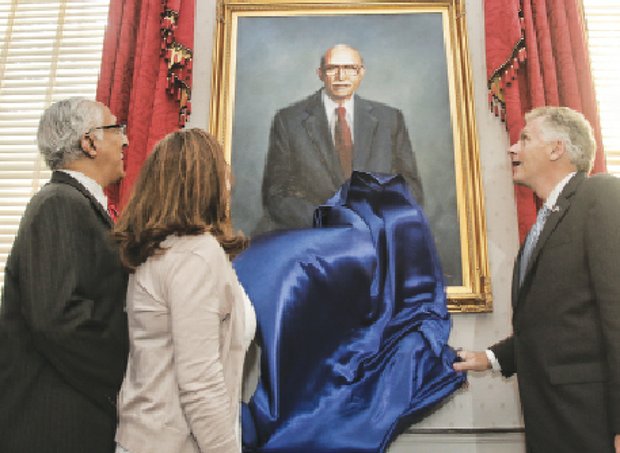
[112, 212]
[343, 141]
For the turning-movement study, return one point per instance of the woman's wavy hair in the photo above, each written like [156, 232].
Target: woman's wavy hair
[182, 190]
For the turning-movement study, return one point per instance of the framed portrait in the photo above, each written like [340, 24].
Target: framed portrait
[268, 60]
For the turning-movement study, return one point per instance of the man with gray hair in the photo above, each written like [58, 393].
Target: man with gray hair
[63, 330]
[565, 346]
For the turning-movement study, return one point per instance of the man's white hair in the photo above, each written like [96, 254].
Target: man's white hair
[570, 127]
[61, 128]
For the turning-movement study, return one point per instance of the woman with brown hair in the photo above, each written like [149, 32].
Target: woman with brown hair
[190, 321]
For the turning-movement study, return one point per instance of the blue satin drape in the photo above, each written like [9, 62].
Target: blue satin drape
[352, 323]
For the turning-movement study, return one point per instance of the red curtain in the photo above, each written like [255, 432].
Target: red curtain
[537, 55]
[136, 80]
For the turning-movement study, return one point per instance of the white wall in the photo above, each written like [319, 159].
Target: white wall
[490, 401]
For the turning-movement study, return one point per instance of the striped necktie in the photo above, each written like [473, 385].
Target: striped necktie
[531, 240]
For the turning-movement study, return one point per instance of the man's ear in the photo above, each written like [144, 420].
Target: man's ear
[558, 150]
[88, 146]
[319, 72]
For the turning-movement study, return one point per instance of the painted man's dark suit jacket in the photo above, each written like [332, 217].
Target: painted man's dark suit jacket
[565, 346]
[63, 330]
[303, 169]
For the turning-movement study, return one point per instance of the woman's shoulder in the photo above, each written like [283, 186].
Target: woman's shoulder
[204, 245]
[193, 254]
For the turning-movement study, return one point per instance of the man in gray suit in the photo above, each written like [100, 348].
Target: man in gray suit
[63, 330]
[565, 346]
[315, 144]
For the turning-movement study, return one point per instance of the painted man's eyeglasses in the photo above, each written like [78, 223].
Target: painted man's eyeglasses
[348, 70]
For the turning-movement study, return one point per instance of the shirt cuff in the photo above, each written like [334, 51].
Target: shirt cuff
[495, 366]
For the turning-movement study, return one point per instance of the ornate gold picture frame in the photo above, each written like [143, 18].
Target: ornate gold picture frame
[416, 60]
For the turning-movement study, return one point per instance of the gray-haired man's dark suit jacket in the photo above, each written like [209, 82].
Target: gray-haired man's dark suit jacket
[63, 330]
[303, 169]
[565, 347]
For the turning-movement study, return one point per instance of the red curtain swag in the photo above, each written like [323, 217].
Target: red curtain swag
[536, 54]
[145, 76]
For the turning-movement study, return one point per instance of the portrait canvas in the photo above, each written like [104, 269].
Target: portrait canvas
[272, 63]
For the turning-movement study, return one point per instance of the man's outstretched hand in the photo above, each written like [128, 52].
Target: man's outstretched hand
[472, 361]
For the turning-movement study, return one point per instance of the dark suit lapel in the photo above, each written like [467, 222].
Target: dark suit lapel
[515, 277]
[364, 126]
[60, 177]
[555, 217]
[318, 131]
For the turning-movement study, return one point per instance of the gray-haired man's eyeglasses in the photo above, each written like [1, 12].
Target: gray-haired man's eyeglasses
[121, 126]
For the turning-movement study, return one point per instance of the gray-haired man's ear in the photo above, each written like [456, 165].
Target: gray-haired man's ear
[88, 146]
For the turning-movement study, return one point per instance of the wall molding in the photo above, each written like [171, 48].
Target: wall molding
[442, 441]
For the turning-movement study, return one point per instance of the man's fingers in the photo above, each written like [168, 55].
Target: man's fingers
[461, 363]
[470, 361]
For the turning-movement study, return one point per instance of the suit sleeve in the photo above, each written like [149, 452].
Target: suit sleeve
[196, 291]
[57, 248]
[285, 205]
[603, 255]
[505, 355]
[405, 162]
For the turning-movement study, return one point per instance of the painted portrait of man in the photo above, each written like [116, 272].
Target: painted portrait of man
[316, 143]
[292, 97]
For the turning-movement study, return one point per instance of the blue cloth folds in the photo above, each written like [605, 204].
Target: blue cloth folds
[352, 323]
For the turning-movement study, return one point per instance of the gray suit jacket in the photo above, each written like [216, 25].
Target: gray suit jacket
[303, 170]
[63, 330]
[565, 346]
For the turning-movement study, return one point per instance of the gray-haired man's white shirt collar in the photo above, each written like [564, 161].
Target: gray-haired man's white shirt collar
[91, 185]
[552, 199]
